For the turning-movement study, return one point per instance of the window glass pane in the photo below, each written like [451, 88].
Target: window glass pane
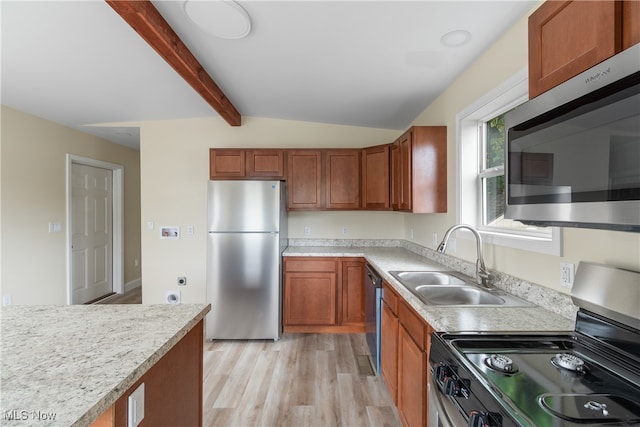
[495, 141]
[494, 197]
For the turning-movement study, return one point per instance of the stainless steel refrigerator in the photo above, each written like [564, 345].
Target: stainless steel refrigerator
[247, 223]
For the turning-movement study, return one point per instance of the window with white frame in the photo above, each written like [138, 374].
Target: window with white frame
[481, 139]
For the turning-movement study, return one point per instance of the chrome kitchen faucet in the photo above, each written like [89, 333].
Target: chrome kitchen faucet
[483, 276]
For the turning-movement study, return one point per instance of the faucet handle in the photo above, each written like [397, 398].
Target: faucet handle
[485, 278]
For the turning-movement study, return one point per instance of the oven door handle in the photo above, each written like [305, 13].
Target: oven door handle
[446, 414]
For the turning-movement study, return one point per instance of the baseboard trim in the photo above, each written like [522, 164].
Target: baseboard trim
[136, 283]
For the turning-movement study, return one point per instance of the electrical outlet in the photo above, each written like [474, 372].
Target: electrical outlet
[566, 274]
[307, 231]
[173, 297]
[345, 231]
[135, 407]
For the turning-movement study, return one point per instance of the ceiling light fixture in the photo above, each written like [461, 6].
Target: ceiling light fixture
[224, 19]
[456, 38]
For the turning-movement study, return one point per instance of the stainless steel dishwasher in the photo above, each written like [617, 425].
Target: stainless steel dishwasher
[373, 313]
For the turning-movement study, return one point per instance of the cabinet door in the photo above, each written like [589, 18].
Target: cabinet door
[401, 166]
[396, 176]
[412, 381]
[226, 163]
[265, 164]
[630, 23]
[375, 178]
[304, 175]
[389, 351]
[353, 292]
[406, 190]
[568, 37]
[310, 298]
[342, 184]
[429, 169]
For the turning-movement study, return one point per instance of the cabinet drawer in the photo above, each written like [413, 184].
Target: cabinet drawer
[390, 297]
[413, 324]
[310, 264]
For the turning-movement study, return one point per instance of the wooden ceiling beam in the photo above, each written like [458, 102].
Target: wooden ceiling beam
[145, 19]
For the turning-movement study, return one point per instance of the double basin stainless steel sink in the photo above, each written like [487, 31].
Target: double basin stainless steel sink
[451, 288]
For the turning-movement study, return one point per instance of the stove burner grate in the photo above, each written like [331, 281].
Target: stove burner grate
[501, 363]
[569, 362]
[591, 408]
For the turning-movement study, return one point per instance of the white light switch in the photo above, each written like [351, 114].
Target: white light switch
[135, 406]
[55, 227]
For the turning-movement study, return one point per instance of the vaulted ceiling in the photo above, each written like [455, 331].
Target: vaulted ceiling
[362, 63]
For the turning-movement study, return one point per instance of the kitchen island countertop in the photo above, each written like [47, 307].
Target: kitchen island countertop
[535, 318]
[65, 365]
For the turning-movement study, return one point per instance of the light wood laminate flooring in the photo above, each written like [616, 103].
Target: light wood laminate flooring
[133, 296]
[300, 380]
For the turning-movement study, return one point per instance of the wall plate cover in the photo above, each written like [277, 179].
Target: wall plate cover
[169, 232]
[173, 297]
[135, 407]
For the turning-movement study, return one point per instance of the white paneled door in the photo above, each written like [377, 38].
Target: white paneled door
[91, 233]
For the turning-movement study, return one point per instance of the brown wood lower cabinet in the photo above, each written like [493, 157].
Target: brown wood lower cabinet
[412, 381]
[404, 358]
[172, 388]
[389, 350]
[310, 298]
[352, 279]
[323, 294]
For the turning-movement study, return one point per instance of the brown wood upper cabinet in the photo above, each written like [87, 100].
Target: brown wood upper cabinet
[419, 170]
[304, 180]
[246, 164]
[342, 182]
[323, 179]
[568, 37]
[375, 178]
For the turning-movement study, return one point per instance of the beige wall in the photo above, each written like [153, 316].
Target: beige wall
[34, 193]
[175, 170]
[505, 58]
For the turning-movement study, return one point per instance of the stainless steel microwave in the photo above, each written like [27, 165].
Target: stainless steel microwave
[573, 153]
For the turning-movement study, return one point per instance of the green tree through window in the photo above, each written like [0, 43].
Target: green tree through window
[493, 173]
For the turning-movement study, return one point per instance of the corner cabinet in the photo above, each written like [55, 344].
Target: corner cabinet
[323, 294]
[247, 164]
[568, 37]
[419, 170]
[310, 291]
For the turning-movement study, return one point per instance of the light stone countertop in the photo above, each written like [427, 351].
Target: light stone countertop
[65, 365]
[551, 312]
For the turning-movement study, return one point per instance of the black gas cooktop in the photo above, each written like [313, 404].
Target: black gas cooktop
[547, 379]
